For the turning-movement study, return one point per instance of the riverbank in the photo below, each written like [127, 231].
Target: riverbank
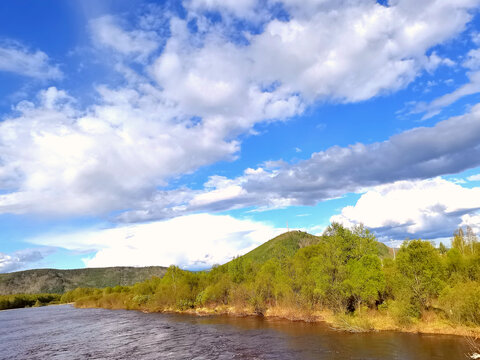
[368, 321]
[98, 333]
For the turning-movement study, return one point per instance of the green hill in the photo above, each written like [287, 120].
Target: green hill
[287, 244]
[60, 281]
[384, 251]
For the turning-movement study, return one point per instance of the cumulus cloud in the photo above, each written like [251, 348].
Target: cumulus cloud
[194, 242]
[18, 59]
[325, 51]
[186, 108]
[22, 259]
[57, 159]
[472, 220]
[427, 209]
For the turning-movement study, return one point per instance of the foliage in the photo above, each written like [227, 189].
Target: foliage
[421, 272]
[344, 270]
[462, 302]
[27, 300]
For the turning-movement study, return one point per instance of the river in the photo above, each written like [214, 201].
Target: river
[63, 332]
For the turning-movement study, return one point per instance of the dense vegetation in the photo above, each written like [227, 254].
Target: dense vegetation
[27, 300]
[60, 281]
[345, 272]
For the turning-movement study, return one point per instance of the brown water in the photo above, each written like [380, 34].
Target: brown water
[63, 332]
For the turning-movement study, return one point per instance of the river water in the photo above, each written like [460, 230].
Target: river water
[63, 332]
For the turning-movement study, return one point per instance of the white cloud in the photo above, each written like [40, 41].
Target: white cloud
[16, 58]
[472, 87]
[244, 8]
[194, 241]
[474, 177]
[427, 208]
[359, 50]
[435, 107]
[107, 31]
[57, 159]
[22, 259]
[473, 60]
[473, 221]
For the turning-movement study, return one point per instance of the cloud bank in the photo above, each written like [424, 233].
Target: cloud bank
[194, 242]
[426, 209]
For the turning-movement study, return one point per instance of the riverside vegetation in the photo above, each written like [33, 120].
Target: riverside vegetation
[344, 277]
[28, 300]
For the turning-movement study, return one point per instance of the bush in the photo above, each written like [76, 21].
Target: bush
[27, 300]
[404, 312]
[461, 303]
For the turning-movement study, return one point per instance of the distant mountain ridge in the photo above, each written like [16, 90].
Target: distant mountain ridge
[59, 281]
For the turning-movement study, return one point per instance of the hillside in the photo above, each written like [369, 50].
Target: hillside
[287, 244]
[60, 281]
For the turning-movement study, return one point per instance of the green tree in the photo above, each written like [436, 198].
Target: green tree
[458, 241]
[471, 241]
[419, 265]
[365, 279]
[271, 283]
[442, 249]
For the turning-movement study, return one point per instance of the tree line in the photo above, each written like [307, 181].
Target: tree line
[342, 272]
[28, 300]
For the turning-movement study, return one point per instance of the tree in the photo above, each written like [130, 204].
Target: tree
[442, 249]
[419, 264]
[365, 279]
[271, 283]
[344, 257]
[458, 241]
[471, 240]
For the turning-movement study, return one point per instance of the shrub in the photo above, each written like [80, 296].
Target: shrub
[461, 303]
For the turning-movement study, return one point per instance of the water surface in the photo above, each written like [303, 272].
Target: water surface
[63, 332]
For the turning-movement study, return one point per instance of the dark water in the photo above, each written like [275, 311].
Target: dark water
[63, 332]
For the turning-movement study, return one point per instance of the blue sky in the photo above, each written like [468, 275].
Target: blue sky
[187, 132]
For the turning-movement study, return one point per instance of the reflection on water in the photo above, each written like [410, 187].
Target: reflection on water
[63, 332]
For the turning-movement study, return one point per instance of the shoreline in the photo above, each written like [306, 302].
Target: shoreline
[375, 322]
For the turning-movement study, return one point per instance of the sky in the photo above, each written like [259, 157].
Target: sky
[137, 132]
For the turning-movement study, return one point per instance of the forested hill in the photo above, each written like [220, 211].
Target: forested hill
[287, 244]
[60, 281]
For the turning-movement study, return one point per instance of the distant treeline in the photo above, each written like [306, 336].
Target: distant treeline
[342, 272]
[27, 300]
